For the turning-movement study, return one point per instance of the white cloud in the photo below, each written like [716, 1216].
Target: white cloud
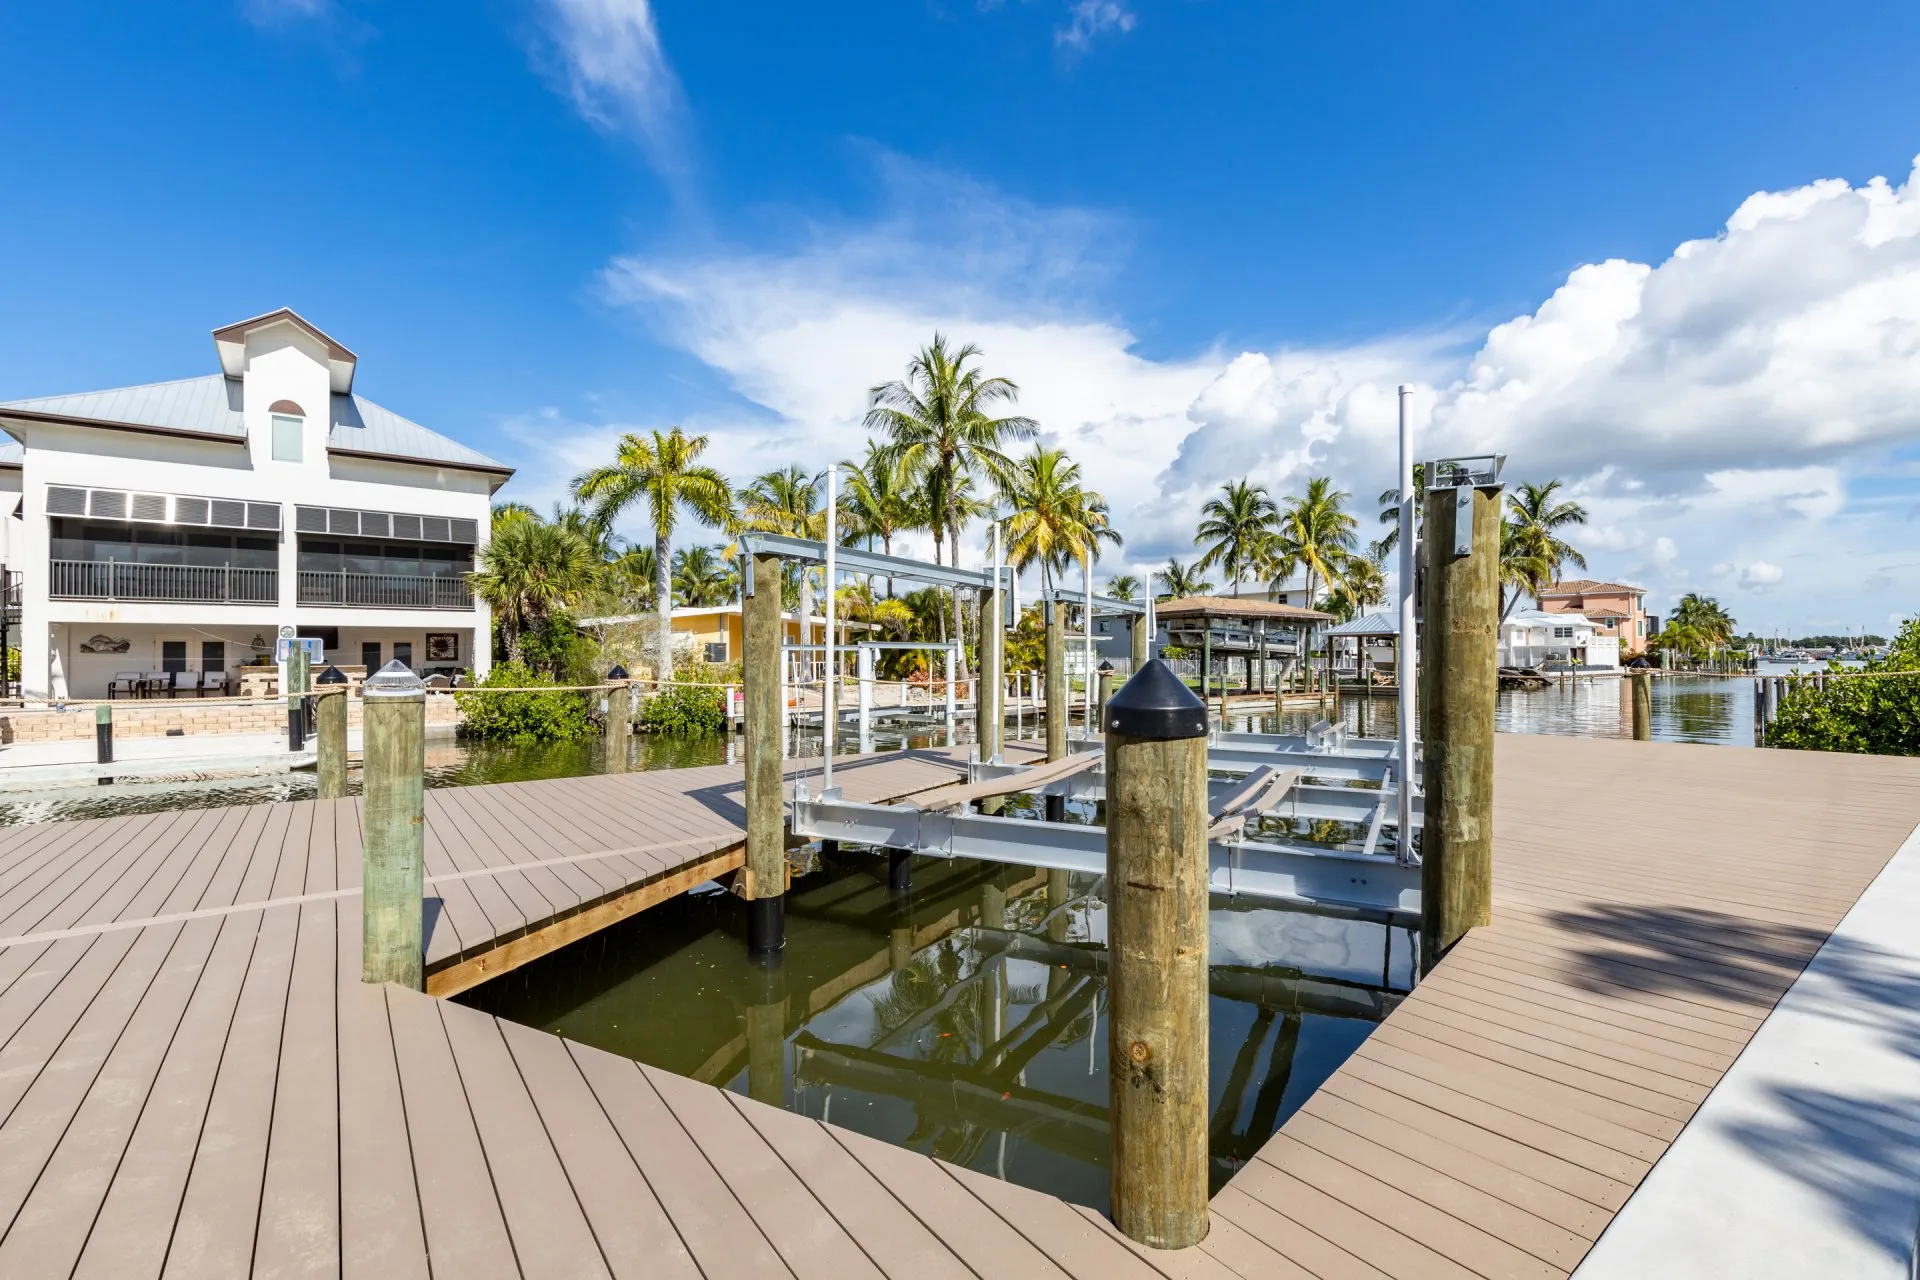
[1714, 409]
[1087, 20]
[606, 56]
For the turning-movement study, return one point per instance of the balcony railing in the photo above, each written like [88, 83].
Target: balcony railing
[383, 590]
[181, 583]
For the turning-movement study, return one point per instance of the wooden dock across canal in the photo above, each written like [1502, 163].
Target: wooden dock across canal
[194, 1082]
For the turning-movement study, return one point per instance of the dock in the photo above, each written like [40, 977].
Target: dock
[194, 1081]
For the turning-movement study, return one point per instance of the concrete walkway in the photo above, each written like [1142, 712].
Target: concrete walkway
[1805, 1158]
[40, 766]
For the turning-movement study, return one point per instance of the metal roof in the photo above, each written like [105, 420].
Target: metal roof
[210, 405]
[1370, 624]
[12, 452]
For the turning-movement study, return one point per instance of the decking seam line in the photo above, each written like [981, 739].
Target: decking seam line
[718, 1177]
[638, 1168]
[133, 861]
[54, 1149]
[406, 1127]
[506, 1223]
[324, 895]
[279, 1058]
[908, 1209]
[740, 1111]
[133, 1129]
[53, 1051]
[1421, 1016]
[533, 1104]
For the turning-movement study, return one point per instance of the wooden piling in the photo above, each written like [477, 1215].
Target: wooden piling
[1459, 687]
[619, 734]
[330, 733]
[297, 672]
[766, 1034]
[1157, 942]
[1056, 656]
[764, 879]
[1141, 640]
[1642, 708]
[103, 734]
[393, 827]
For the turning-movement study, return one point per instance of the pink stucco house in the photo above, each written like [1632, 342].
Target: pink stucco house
[1614, 608]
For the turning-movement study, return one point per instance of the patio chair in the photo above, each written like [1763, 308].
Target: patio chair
[166, 682]
[213, 679]
[127, 682]
[438, 682]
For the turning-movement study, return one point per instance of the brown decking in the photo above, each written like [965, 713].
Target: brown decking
[193, 1081]
[1652, 902]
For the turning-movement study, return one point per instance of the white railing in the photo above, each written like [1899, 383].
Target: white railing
[182, 583]
[383, 590]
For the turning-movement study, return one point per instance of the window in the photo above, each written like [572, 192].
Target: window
[370, 655]
[1563, 633]
[286, 437]
[101, 541]
[403, 653]
[173, 655]
[213, 655]
[716, 653]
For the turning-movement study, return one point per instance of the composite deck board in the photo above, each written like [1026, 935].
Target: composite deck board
[221, 1094]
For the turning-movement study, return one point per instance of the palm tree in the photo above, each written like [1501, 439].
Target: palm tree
[1390, 509]
[1182, 581]
[1123, 586]
[939, 424]
[527, 570]
[1240, 523]
[663, 468]
[788, 502]
[701, 578]
[1536, 518]
[1705, 617]
[1055, 519]
[879, 502]
[1523, 568]
[1315, 534]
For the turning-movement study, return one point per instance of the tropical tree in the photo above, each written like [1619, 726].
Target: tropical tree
[1537, 517]
[662, 469]
[788, 502]
[1238, 527]
[1316, 533]
[1705, 616]
[1362, 586]
[879, 502]
[943, 421]
[1123, 586]
[1390, 509]
[1055, 519]
[528, 570]
[1524, 568]
[1182, 580]
[702, 578]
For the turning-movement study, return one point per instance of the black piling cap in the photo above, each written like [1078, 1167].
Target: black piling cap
[332, 675]
[1155, 703]
[1106, 668]
[618, 673]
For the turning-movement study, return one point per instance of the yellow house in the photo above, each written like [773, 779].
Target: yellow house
[714, 630]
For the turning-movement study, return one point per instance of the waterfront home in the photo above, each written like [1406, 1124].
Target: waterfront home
[708, 633]
[1614, 608]
[1366, 648]
[166, 533]
[1536, 638]
[1216, 630]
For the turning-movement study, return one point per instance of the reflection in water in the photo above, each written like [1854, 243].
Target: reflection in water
[966, 1021]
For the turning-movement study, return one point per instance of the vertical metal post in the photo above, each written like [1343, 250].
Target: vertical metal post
[1139, 633]
[296, 692]
[103, 734]
[1406, 648]
[1056, 654]
[1458, 660]
[764, 878]
[330, 709]
[830, 700]
[393, 827]
[1206, 657]
[989, 712]
[1087, 690]
[952, 652]
[865, 668]
[900, 870]
[1156, 747]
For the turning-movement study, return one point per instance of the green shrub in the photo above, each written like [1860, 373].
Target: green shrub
[1871, 716]
[683, 711]
[560, 716]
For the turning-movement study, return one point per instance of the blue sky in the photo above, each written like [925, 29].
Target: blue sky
[1207, 236]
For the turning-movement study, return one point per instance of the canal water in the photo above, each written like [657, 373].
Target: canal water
[966, 1020]
[1685, 709]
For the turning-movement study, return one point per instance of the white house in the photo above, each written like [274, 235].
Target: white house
[1530, 638]
[176, 527]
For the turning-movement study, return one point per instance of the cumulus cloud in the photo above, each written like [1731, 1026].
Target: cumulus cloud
[1087, 20]
[606, 56]
[1713, 409]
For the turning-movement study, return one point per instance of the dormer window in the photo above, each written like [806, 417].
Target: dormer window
[289, 421]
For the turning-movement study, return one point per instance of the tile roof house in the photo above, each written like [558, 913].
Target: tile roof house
[174, 529]
[1615, 608]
